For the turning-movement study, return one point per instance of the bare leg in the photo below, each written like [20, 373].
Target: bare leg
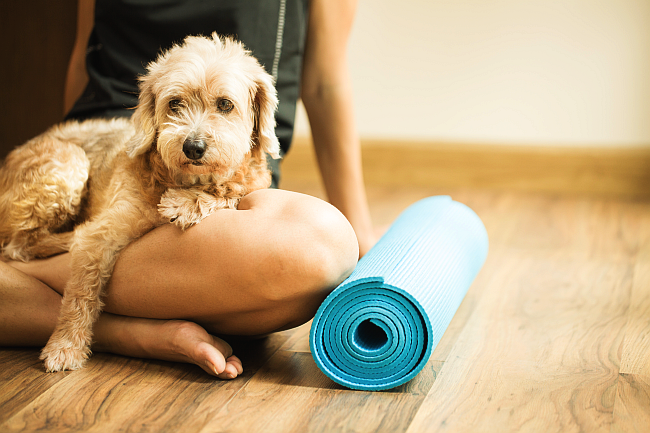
[252, 271]
[29, 311]
[260, 269]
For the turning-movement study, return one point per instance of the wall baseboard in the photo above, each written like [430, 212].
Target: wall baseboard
[622, 172]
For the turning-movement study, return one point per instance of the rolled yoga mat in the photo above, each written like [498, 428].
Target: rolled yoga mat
[378, 328]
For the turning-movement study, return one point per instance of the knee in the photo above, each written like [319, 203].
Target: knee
[316, 250]
[332, 250]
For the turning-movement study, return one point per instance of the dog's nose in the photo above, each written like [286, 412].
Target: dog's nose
[194, 149]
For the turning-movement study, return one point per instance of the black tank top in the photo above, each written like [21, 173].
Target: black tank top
[128, 34]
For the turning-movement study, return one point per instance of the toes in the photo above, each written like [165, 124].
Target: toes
[222, 346]
[233, 369]
[209, 356]
[236, 362]
[211, 369]
[193, 344]
[219, 360]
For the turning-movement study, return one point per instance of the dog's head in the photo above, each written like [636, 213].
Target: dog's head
[204, 105]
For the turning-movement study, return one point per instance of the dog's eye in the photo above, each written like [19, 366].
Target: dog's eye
[225, 105]
[175, 105]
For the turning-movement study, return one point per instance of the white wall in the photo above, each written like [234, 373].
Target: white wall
[552, 72]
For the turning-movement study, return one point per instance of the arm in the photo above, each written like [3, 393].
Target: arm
[77, 78]
[327, 95]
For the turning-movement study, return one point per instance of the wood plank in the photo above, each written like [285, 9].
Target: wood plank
[632, 409]
[541, 351]
[290, 394]
[115, 393]
[636, 348]
[299, 340]
[535, 356]
[22, 379]
[605, 171]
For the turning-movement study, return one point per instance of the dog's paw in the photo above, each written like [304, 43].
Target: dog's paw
[17, 249]
[185, 207]
[59, 357]
[182, 222]
[181, 213]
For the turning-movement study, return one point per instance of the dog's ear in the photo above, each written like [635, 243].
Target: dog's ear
[144, 118]
[265, 102]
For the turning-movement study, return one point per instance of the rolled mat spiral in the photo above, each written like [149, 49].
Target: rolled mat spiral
[378, 329]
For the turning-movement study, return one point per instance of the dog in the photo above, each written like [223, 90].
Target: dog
[196, 142]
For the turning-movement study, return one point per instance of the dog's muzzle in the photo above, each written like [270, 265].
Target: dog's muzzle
[194, 149]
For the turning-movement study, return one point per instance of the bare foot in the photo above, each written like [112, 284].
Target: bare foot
[168, 340]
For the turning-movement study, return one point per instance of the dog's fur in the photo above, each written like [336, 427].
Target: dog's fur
[94, 187]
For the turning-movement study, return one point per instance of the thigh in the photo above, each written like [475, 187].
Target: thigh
[252, 270]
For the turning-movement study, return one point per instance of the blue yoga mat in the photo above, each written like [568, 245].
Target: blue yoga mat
[378, 328]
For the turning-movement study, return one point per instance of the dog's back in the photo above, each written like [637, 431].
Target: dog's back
[101, 139]
[45, 183]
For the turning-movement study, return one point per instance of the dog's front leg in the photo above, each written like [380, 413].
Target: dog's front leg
[187, 207]
[93, 255]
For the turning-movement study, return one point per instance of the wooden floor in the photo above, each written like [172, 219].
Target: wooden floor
[554, 335]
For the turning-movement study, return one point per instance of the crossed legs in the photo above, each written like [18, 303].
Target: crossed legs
[262, 268]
